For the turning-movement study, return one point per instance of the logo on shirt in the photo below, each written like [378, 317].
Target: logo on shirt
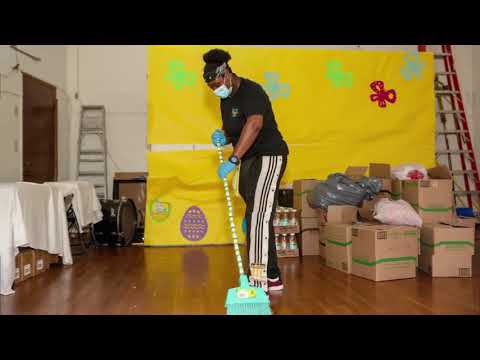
[235, 112]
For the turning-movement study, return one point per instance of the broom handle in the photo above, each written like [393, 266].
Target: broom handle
[233, 228]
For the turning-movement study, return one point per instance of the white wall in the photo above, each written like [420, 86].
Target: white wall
[51, 69]
[115, 76]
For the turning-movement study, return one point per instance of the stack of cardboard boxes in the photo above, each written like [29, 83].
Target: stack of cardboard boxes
[368, 249]
[310, 220]
[337, 236]
[30, 263]
[447, 243]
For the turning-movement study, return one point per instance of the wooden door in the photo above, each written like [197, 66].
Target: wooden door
[39, 130]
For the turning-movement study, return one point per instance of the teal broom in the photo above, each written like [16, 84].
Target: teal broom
[245, 299]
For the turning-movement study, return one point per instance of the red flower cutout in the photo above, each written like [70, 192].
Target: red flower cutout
[381, 95]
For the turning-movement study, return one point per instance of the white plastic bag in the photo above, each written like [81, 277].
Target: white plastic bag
[410, 172]
[396, 213]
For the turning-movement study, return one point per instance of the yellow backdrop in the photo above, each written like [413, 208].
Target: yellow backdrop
[319, 96]
[323, 104]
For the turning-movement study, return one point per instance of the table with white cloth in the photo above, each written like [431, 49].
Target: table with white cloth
[34, 215]
[11, 223]
[86, 205]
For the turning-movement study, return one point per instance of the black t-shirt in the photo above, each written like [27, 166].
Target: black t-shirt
[250, 99]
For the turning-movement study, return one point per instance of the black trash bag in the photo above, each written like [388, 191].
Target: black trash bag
[340, 189]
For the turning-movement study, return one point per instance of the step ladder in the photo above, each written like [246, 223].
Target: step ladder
[454, 142]
[92, 149]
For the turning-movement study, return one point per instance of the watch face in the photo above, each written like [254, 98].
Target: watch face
[234, 160]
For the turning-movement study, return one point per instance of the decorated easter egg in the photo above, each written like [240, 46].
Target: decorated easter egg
[159, 211]
[194, 225]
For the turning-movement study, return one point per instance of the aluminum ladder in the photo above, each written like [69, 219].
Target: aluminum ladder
[456, 150]
[92, 149]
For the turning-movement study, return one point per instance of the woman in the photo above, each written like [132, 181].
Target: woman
[249, 124]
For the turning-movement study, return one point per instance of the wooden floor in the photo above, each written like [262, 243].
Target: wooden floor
[140, 280]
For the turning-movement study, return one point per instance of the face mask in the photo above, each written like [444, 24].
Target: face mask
[223, 92]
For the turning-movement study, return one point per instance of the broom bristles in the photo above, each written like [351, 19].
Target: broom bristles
[259, 305]
[249, 309]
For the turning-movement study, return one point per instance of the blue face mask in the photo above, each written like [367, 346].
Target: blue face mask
[223, 92]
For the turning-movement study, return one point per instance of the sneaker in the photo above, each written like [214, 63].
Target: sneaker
[275, 284]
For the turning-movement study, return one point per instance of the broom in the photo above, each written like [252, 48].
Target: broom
[245, 299]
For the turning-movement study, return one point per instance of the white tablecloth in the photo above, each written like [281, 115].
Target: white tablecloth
[31, 215]
[11, 224]
[86, 205]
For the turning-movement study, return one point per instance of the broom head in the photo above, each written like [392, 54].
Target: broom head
[247, 300]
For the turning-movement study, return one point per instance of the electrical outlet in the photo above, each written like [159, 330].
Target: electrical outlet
[15, 145]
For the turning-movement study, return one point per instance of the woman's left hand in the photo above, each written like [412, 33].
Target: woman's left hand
[225, 168]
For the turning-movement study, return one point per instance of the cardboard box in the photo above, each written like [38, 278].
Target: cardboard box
[321, 216]
[356, 172]
[53, 259]
[309, 240]
[433, 198]
[338, 250]
[18, 269]
[309, 224]
[322, 240]
[447, 239]
[379, 171]
[366, 212]
[41, 261]
[28, 263]
[341, 214]
[446, 265]
[310, 244]
[464, 221]
[384, 252]
[301, 188]
[322, 250]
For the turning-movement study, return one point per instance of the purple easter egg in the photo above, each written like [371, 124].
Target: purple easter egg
[194, 225]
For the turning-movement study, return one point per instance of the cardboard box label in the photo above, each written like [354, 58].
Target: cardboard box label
[40, 264]
[27, 269]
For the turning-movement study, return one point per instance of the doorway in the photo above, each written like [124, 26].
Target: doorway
[40, 123]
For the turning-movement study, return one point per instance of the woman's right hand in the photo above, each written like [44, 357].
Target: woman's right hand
[218, 137]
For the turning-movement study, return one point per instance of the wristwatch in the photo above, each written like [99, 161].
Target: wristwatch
[234, 160]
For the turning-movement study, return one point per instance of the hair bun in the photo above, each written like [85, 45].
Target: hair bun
[217, 56]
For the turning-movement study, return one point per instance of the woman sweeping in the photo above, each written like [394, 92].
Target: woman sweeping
[261, 153]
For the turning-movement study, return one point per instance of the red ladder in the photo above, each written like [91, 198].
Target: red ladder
[450, 109]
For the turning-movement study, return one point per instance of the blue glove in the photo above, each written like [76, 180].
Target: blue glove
[244, 225]
[219, 137]
[225, 168]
